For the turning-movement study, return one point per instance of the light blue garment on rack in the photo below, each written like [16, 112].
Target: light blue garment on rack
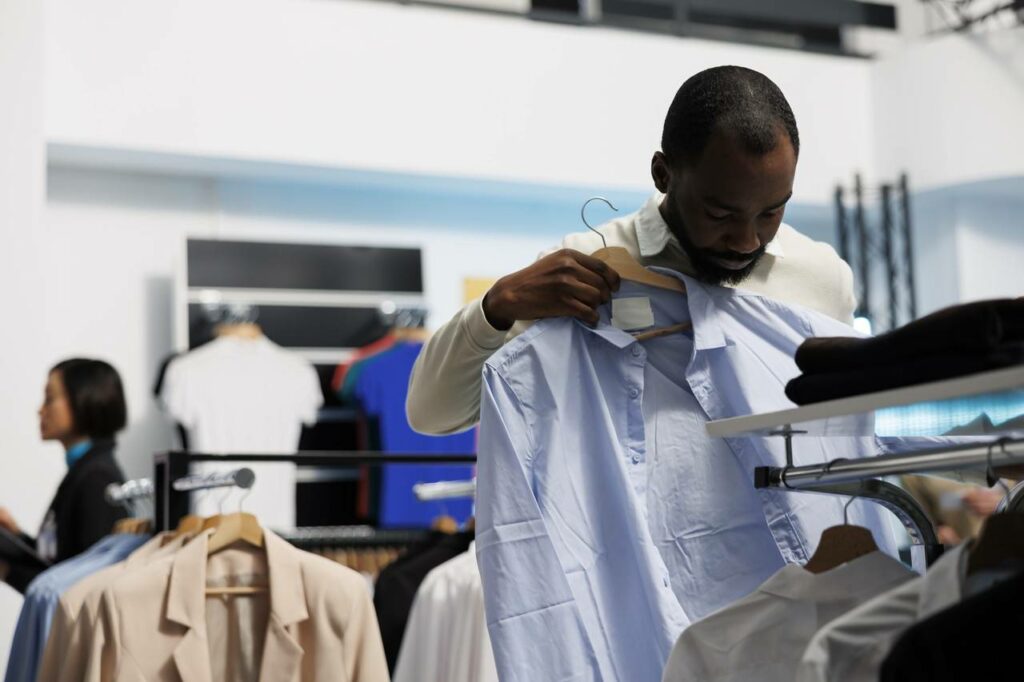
[42, 596]
[607, 520]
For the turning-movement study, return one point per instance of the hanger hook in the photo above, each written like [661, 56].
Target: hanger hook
[990, 472]
[846, 510]
[241, 500]
[223, 499]
[583, 217]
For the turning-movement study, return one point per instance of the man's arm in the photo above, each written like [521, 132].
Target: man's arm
[444, 389]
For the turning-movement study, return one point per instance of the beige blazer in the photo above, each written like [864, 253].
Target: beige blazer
[316, 622]
[65, 648]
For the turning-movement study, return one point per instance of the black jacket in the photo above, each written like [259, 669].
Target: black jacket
[82, 514]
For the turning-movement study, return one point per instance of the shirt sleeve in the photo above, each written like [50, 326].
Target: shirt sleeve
[313, 396]
[175, 395]
[534, 624]
[444, 388]
[364, 652]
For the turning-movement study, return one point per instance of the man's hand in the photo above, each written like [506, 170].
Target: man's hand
[7, 521]
[564, 283]
[983, 501]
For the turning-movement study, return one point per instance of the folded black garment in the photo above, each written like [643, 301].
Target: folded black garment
[975, 328]
[973, 640]
[814, 388]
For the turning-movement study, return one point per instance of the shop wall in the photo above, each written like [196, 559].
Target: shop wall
[382, 86]
[948, 110]
[24, 468]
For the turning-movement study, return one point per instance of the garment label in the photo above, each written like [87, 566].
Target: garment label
[632, 313]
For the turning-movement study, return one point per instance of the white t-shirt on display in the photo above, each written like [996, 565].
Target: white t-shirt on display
[245, 395]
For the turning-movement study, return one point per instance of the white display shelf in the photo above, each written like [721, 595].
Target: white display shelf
[922, 410]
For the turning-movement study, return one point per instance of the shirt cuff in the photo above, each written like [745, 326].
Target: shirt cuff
[481, 333]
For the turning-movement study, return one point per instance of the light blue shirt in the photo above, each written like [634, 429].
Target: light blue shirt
[607, 520]
[44, 592]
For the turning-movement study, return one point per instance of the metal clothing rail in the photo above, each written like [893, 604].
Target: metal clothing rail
[236, 478]
[172, 504]
[353, 536]
[859, 478]
[444, 490]
[129, 491]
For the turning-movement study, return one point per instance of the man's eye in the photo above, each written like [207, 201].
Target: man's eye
[713, 216]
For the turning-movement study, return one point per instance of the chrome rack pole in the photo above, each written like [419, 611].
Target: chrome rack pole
[236, 478]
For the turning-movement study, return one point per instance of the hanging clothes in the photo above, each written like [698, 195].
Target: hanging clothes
[969, 641]
[575, 497]
[380, 384]
[246, 395]
[313, 623]
[66, 651]
[446, 639]
[763, 635]
[43, 595]
[852, 647]
[398, 584]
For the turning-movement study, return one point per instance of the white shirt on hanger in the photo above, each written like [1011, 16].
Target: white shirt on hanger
[853, 647]
[446, 639]
[763, 635]
[248, 396]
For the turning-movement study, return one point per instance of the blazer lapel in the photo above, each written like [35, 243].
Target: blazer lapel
[282, 653]
[186, 606]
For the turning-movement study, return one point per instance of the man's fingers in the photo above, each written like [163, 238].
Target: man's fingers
[584, 312]
[601, 268]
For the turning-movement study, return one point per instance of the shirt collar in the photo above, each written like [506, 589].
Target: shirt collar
[865, 576]
[76, 452]
[653, 235]
[707, 330]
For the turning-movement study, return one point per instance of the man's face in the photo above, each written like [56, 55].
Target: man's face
[727, 205]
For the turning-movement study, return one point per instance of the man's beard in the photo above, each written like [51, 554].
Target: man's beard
[709, 271]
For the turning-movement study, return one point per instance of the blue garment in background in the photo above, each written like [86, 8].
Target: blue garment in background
[381, 388]
[607, 519]
[42, 596]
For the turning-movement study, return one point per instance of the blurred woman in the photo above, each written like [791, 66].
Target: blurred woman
[83, 409]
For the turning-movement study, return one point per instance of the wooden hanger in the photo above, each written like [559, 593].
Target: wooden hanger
[840, 545]
[132, 526]
[445, 524]
[623, 263]
[241, 330]
[232, 528]
[664, 331]
[238, 527]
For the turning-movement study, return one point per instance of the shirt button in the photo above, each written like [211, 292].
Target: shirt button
[637, 351]
[636, 459]
[634, 392]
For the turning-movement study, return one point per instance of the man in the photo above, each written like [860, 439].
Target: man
[724, 174]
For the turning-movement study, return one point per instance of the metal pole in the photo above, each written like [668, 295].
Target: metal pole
[1005, 452]
[890, 258]
[841, 227]
[908, 245]
[863, 244]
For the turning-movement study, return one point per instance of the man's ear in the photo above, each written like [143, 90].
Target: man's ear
[660, 172]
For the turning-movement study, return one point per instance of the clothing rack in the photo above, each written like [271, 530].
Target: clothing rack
[172, 504]
[118, 494]
[353, 536]
[236, 478]
[444, 490]
[859, 478]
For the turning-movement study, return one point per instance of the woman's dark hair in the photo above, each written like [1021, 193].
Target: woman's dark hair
[96, 397]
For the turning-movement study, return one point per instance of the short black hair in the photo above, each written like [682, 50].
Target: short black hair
[96, 397]
[734, 99]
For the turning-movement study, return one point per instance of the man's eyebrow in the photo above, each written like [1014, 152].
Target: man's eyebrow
[726, 207]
